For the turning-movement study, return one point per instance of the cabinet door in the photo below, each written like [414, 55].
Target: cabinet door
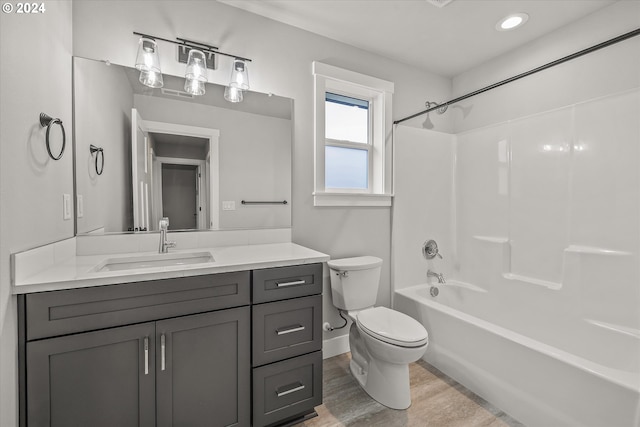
[103, 378]
[203, 369]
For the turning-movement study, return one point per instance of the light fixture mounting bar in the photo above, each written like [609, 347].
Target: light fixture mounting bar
[199, 46]
[210, 57]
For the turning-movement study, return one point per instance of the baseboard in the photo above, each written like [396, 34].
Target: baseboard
[335, 346]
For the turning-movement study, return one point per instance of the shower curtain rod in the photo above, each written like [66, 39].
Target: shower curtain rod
[527, 73]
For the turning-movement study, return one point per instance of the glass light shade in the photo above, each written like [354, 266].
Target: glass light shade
[151, 78]
[239, 75]
[233, 94]
[194, 86]
[147, 58]
[196, 75]
[196, 66]
[148, 62]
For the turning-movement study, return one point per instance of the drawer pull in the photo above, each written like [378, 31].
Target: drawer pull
[294, 283]
[290, 330]
[291, 390]
[146, 355]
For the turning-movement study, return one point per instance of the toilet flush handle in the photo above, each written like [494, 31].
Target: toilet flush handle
[342, 273]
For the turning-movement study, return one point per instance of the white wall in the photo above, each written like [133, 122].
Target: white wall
[35, 77]
[546, 186]
[590, 76]
[423, 207]
[282, 57]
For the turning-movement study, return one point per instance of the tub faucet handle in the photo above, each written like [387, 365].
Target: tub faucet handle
[430, 250]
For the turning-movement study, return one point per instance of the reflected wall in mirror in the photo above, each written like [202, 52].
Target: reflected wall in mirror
[167, 153]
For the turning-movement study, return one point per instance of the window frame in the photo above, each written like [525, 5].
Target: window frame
[378, 93]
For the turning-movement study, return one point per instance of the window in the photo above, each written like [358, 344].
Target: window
[347, 153]
[352, 118]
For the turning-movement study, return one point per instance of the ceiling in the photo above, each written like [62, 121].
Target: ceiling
[446, 41]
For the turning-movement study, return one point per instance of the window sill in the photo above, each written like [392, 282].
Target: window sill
[351, 199]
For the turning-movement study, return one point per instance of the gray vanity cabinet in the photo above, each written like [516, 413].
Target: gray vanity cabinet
[189, 351]
[102, 378]
[172, 352]
[202, 369]
[287, 344]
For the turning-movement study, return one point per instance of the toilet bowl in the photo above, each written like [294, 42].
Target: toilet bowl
[382, 341]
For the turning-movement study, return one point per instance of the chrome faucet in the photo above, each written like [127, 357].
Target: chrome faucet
[438, 276]
[164, 243]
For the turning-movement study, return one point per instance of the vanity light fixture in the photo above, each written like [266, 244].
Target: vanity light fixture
[239, 74]
[233, 94]
[196, 75]
[512, 21]
[148, 62]
[198, 57]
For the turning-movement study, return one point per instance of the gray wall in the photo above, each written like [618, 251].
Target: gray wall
[255, 157]
[35, 77]
[176, 149]
[103, 118]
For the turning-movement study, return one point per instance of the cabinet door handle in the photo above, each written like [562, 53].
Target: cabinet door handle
[162, 352]
[146, 355]
[294, 283]
[291, 390]
[290, 330]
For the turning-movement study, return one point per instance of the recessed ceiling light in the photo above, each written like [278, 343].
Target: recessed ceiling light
[512, 21]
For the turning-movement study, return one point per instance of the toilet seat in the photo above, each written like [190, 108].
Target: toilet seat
[392, 327]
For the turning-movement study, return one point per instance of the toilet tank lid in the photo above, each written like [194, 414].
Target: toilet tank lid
[355, 263]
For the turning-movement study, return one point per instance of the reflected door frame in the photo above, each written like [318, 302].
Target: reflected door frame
[211, 164]
[201, 176]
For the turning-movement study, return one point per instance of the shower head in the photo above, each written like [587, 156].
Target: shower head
[440, 110]
[428, 124]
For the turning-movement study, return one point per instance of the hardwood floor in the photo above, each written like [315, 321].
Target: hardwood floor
[437, 401]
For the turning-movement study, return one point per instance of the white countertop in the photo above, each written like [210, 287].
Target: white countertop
[79, 271]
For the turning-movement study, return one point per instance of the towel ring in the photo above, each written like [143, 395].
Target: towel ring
[47, 121]
[100, 154]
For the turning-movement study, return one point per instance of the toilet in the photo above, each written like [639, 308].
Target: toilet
[383, 341]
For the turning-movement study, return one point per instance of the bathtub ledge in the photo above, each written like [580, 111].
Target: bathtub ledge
[533, 281]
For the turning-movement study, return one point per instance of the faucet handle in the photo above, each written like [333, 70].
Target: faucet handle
[430, 250]
[164, 223]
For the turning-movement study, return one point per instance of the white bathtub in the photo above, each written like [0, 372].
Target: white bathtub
[542, 370]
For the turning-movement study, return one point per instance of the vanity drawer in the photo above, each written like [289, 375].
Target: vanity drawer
[286, 329]
[272, 284]
[287, 389]
[77, 310]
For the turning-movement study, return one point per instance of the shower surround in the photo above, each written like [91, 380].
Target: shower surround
[538, 220]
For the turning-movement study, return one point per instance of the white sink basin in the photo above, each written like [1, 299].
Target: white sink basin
[151, 261]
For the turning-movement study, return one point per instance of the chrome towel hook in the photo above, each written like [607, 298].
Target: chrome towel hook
[48, 122]
[100, 154]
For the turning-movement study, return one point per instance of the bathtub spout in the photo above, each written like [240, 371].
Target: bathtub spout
[438, 276]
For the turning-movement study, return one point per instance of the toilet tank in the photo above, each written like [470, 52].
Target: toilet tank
[354, 282]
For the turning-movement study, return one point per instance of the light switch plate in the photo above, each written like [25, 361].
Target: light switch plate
[228, 205]
[80, 206]
[66, 206]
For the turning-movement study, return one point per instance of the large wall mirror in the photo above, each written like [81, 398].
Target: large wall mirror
[142, 154]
